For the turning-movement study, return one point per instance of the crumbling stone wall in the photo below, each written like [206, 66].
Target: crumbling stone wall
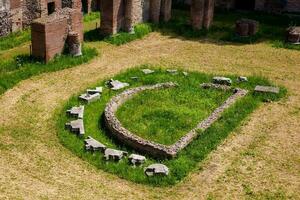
[31, 9]
[49, 34]
[5, 22]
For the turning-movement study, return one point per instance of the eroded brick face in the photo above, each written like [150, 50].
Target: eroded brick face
[49, 34]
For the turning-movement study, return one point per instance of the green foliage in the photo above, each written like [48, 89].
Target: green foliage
[188, 159]
[23, 67]
[91, 16]
[14, 39]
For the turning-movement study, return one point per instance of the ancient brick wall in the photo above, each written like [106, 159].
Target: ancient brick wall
[5, 22]
[31, 9]
[49, 33]
[293, 6]
[16, 12]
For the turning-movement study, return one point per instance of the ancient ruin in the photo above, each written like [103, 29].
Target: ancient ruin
[246, 27]
[154, 149]
[157, 169]
[293, 35]
[119, 15]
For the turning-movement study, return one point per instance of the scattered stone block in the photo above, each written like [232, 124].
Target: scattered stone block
[147, 71]
[214, 86]
[137, 159]
[157, 169]
[242, 79]
[135, 78]
[246, 27]
[113, 154]
[293, 35]
[172, 71]
[76, 112]
[89, 97]
[266, 89]
[76, 126]
[185, 73]
[93, 145]
[222, 80]
[116, 85]
[94, 91]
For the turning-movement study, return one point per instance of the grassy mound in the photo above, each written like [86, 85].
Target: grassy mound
[188, 159]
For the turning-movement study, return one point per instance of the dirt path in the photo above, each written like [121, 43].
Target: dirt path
[259, 160]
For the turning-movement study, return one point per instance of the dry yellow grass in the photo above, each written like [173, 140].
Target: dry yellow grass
[261, 159]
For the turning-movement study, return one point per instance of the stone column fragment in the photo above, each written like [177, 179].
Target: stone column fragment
[166, 8]
[155, 6]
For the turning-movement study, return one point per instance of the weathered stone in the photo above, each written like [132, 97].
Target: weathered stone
[172, 71]
[293, 35]
[136, 159]
[266, 89]
[93, 145]
[222, 80]
[76, 126]
[89, 98]
[246, 27]
[242, 79]
[113, 154]
[135, 78]
[74, 44]
[202, 13]
[147, 71]
[116, 85]
[76, 112]
[157, 169]
[94, 91]
[185, 73]
[214, 86]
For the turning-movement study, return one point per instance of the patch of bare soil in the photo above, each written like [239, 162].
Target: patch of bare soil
[259, 160]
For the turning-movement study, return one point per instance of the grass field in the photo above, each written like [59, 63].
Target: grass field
[165, 120]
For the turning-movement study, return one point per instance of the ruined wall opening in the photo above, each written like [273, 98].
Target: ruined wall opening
[84, 7]
[51, 7]
[245, 4]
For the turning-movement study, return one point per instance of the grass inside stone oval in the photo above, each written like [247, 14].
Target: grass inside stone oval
[165, 115]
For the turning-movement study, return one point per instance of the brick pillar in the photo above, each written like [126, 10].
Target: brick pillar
[128, 26]
[208, 13]
[155, 10]
[166, 8]
[197, 13]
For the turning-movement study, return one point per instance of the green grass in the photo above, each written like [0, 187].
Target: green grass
[23, 67]
[141, 30]
[189, 158]
[91, 16]
[14, 39]
[164, 116]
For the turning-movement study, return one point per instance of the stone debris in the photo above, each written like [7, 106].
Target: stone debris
[93, 145]
[214, 86]
[137, 159]
[222, 80]
[242, 79]
[147, 71]
[89, 97]
[113, 154]
[172, 71]
[266, 89]
[76, 126]
[135, 78]
[76, 112]
[94, 91]
[157, 169]
[116, 85]
[185, 73]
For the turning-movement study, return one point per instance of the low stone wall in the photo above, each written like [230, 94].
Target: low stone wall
[154, 149]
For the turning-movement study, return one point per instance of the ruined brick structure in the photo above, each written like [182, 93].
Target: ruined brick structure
[50, 33]
[119, 15]
[18, 14]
